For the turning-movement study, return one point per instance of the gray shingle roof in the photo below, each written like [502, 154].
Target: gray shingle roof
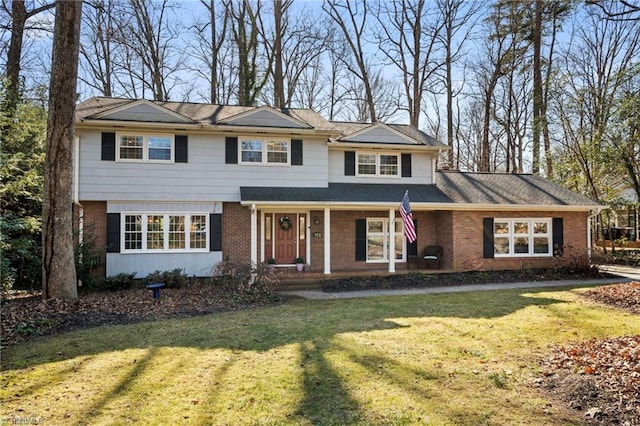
[453, 188]
[206, 114]
[506, 188]
[346, 192]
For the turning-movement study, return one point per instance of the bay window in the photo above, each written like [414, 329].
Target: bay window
[165, 232]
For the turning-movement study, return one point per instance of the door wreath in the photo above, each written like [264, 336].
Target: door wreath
[285, 223]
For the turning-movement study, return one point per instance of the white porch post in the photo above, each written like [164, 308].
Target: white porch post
[254, 234]
[392, 241]
[327, 240]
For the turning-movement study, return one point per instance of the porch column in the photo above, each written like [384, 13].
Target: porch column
[392, 240]
[327, 240]
[254, 234]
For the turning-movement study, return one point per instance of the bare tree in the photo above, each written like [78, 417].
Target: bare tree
[246, 33]
[19, 17]
[351, 19]
[150, 56]
[58, 265]
[292, 44]
[408, 37]
[458, 23]
[98, 47]
[596, 65]
[629, 11]
[211, 40]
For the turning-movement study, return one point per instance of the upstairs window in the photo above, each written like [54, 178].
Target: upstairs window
[377, 164]
[264, 151]
[141, 147]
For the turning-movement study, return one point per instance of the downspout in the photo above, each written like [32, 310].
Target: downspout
[76, 201]
[254, 235]
[327, 241]
[592, 214]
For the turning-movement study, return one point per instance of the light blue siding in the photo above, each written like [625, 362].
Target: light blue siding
[421, 170]
[142, 264]
[380, 135]
[205, 177]
[146, 113]
[265, 118]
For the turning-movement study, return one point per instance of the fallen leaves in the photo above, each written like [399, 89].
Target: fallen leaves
[601, 377]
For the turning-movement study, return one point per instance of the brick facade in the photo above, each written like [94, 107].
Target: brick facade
[458, 232]
[94, 231]
[467, 241]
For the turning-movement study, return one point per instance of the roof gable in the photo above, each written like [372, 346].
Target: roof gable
[380, 133]
[264, 117]
[142, 110]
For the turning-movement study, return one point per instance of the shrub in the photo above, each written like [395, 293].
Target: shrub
[121, 281]
[171, 279]
[244, 279]
[87, 256]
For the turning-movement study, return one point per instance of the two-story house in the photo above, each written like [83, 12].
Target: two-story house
[164, 185]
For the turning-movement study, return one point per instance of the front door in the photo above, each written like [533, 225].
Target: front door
[286, 241]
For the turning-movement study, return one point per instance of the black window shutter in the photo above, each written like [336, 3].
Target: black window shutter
[349, 163]
[182, 149]
[215, 232]
[108, 146]
[231, 150]
[296, 152]
[412, 248]
[487, 238]
[113, 232]
[558, 237]
[361, 239]
[406, 165]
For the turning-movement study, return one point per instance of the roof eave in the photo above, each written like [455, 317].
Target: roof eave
[390, 146]
[417, 206]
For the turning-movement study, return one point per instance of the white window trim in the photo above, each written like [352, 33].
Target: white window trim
[531, 235]
[378, 154]
[145, 147]
[166, 249]
[264, 141]
[385, 241]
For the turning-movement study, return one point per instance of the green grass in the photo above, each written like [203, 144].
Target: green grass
[446, 359]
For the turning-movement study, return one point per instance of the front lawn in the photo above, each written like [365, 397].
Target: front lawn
[464, 358]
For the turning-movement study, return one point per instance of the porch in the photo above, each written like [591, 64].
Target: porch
[290, 279]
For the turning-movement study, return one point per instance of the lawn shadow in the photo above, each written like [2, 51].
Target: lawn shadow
[263, 329]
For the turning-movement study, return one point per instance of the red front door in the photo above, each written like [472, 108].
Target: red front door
[286, 231]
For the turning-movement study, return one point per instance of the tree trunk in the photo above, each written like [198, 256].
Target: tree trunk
[58, 266]
[278, 76]
[537, 85]
[18, 18]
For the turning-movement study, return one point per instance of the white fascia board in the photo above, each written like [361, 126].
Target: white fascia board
[141, 125]
[381, 146]
[417, 206]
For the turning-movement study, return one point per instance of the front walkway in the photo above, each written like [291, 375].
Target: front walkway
[626, 274]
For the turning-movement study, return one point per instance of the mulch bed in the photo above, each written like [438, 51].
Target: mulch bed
[598, 378]
[27, 315]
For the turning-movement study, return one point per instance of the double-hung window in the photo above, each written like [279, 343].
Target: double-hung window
[522, 237]
[378, 240]
[377, 164]
[145, 147]
[265, 151]
[165, 232]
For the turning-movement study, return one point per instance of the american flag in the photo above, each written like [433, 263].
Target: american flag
[407, 219]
